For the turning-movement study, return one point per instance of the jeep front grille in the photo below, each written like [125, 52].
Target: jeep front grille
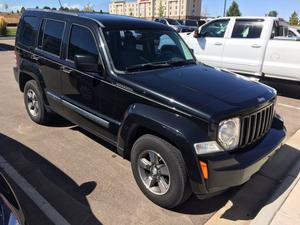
[256, 125]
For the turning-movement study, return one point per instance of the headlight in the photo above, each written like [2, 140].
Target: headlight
[229, 133]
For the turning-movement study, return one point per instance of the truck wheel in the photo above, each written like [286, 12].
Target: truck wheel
[160, 171]
[34, 102]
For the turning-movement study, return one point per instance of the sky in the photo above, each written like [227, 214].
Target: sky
[213, 7]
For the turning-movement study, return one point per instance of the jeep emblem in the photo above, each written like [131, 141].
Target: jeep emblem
[262, 99]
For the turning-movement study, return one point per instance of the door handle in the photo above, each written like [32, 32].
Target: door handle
[218, 43]
[66, 70]
[35, 57]
[256, 46]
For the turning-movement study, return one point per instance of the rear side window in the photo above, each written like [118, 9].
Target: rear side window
[28, 30]
[247, 29]
[51, 36]
[81, 42]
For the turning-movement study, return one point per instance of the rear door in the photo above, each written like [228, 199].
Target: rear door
[244, 50]
[49, 57]
[208, 48]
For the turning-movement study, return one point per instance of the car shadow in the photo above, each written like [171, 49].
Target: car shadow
[242, 202]
[284, 88]
[6, 47]
[67, 197]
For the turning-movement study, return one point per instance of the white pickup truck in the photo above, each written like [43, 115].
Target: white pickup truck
[248, 45]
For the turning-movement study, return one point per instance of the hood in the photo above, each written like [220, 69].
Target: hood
[203, 90]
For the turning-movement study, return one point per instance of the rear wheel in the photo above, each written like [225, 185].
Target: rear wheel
[160, 172]
[34, 102]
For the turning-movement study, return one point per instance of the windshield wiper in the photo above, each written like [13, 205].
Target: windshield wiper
[180, 62]
[147, 66]
[154, 65]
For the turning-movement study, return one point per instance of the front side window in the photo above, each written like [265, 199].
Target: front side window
[247, 29]
[215, 29]
[29, 27]
[52, 35]
[81, 42]
[173, 22]
[146, 49]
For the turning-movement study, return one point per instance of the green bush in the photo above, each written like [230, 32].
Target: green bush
[3, 25]
[11, 31]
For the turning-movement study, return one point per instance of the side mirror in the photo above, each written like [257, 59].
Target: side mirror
[86, 63]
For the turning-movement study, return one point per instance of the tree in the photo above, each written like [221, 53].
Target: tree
[273, 13]
[294, 19]
[37, 7]
[53, 8]
[234, 10]
[22, 9]
[46, 7]
[5, 6]
[88, 8]
[18, 11]
[161, 10]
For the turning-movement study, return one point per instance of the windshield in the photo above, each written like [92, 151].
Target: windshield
[173, 22]
[146, 49]
[191, 23]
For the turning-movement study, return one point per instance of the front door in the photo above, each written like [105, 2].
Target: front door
[84, 93]
[208, 48]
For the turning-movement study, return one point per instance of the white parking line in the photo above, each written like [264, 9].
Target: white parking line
[35, 196]
[289, 106]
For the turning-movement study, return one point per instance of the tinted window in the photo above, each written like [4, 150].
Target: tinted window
[191, 23]
[52, 36]
[29, 27]
[215, 29]
[247, 29]
[81, 42]
[130, 48]
[291, 34]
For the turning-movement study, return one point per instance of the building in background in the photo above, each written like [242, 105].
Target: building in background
[150, 9]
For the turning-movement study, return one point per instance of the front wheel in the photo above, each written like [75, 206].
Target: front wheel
[160, 171]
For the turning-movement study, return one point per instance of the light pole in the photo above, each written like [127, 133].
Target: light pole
[224, 13]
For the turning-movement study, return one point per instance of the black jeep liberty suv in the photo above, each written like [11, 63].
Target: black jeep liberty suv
[185, 127]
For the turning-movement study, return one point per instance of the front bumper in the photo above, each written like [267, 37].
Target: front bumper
[235, 168]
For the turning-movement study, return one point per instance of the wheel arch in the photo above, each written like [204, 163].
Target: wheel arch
[179, 131]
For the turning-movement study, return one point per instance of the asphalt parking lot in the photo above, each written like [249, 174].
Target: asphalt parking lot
[78, 178]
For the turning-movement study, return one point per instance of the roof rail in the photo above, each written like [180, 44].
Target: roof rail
[53, 11]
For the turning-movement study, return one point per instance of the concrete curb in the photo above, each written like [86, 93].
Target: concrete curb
[275, 201]
[273, 205]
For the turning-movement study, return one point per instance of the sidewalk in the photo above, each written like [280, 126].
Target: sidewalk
[289, 212]
[283, 206]
[270, 197]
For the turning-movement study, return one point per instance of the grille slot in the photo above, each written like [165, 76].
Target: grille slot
[256, 125]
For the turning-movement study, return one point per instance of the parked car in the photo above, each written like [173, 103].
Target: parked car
[174, 24]
[248, 45]
[10, 209]
[184, 126]
[294, 32]
[192, 24]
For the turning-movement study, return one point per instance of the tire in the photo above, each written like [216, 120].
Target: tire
[34, 103]
[165, 191]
